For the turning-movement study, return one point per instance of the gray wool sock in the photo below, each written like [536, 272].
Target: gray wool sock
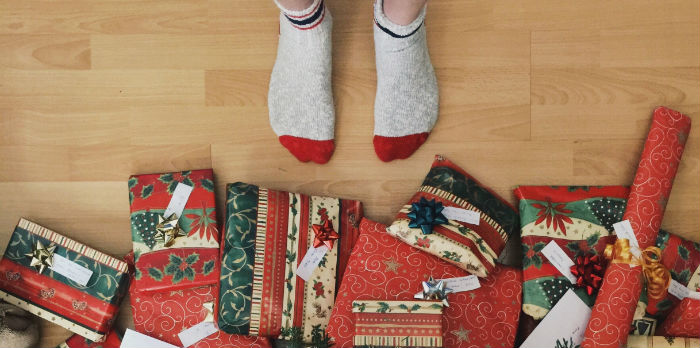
[406, 104]
[300, 98]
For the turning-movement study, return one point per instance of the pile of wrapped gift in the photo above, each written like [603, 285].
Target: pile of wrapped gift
[292, 270]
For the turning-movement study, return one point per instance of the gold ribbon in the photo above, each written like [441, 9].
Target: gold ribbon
[657, 277]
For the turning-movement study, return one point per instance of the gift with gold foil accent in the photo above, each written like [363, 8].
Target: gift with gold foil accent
[457, 219]
[62, 280]
[113, 340]
[383, 268]
[613, 311]
[268, 236]
[174, 250]
[383, 323]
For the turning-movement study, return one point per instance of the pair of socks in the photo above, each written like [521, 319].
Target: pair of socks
[300, 97]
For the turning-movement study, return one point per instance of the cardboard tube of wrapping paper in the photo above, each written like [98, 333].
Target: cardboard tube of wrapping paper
[617, 299]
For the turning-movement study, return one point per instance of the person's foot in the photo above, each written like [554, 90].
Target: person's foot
[406, 104]
[300, 98]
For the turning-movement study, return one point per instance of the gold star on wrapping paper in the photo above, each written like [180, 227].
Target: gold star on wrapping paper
[168, 229]
[391, 265]
[41, 256]
[209, 306]
[462, 334]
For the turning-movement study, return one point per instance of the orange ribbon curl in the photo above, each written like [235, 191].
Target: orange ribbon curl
[657, 276]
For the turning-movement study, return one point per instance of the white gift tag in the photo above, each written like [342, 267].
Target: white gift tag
[71, 270]
[463, 215]
[310, 261]
[559, 324]
[623, 229]
[558, 258]
[179, 200]
[134, 339]
[197, 333]
[677, 289]
[460, 284]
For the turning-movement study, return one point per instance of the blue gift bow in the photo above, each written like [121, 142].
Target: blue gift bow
[426, 213]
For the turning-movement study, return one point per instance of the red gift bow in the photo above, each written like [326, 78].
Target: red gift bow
[589, 271]
[325, 234]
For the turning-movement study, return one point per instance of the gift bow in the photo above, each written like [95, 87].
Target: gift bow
[426, 213]
[657, 276]
[589, 272]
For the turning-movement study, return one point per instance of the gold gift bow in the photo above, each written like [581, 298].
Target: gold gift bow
[657, 276]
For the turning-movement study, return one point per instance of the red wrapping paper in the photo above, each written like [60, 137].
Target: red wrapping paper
[614, 309]
[684, 320]
[383, 268]
[163, 315]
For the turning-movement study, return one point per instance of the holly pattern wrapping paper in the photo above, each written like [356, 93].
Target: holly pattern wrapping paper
[192, 260]
[268, 233]
[471, 247]
[383, 268]
[88, 309]
[617, 299]
[579, 219]
[113, 340]
[164, 314]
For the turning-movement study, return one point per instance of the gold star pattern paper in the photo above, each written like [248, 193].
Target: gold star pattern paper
[391, 265]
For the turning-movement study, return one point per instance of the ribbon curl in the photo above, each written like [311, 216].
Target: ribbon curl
[657, 276]
[589, 271]
[426, 213]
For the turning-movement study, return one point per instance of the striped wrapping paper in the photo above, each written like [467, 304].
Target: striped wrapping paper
[471, 247]
[617, 299]
[113, 340]
[267, 234]
[397, 323]
[85, 310]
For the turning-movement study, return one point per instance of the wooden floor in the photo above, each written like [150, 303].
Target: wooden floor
[535, 92]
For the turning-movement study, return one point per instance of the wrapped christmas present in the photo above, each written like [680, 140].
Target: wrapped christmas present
[283, 254]
[478, 312]
[617, 299]
[579, 220]
[169, 316]
[112, 340]
[457, 219]
[635, 341]
[684, 320]
[397, 323]
[174, 230]
[682, 258]
[62, 280]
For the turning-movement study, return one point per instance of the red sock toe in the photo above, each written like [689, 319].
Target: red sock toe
[305, 150]
[391, 148]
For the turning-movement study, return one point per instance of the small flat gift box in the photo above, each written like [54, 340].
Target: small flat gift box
[183, 253]
[61, 280]
[397, 323]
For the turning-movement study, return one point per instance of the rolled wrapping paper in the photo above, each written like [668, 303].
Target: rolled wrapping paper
[617, 299]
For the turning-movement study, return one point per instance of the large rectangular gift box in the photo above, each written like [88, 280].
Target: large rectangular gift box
[191, 259]
[268, 234]
[165, 314]
[397, 323]
[382, 268]
[61, 280]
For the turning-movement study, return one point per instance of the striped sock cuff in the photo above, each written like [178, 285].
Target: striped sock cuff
[305, 19]
[393, 29]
